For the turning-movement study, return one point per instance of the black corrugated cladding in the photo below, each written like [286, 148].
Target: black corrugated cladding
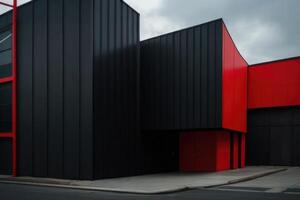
[116, 90]
[273, 136]
[181, 88]
[77, 88]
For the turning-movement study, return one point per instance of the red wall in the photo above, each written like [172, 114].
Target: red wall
[242, 151]
[234, 87]
[235, 152]
[204, 151]
[274, 84]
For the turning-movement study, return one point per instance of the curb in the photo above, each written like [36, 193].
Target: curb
[88, 188]
[247, 178]
[163, 191]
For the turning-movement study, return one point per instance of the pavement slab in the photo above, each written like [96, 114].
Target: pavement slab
[277, 183]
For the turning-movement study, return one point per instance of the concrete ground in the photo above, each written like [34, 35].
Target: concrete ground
[154, 184]
[283, 182]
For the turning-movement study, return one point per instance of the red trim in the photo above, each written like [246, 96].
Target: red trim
[13, 79]
[6, 80]
[6, 135]
[14, 106]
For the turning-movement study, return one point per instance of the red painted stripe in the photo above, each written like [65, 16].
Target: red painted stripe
[6, 135]
[6, 80]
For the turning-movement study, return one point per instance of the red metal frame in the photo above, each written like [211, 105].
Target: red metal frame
[13, 79]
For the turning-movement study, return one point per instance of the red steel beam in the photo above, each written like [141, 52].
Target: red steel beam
[6, 135]
[6, 80]
[14, 87]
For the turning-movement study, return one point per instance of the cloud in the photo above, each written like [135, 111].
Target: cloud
[4, 9]
[152, 22]
[262, 30]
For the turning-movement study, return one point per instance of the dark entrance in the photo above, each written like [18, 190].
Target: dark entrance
[274, 137]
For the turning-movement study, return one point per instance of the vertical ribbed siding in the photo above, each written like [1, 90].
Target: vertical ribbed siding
[115, 89]
[181, 79]
[78, 71]
[55, 89]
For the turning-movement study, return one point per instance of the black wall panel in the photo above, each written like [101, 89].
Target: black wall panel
[181, 79]
[40, 98]
[273, 136]
[116, 94]
[56, 89]
[25, 91]
[86, 89]
[77, 88]
[71, 88]
[160, 152]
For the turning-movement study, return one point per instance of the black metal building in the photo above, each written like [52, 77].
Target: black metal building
[77, 89]
[181, 84]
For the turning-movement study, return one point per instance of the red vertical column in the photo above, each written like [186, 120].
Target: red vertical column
[13, 79]
[14, 87]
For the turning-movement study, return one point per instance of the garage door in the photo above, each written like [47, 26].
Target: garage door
[274, 137]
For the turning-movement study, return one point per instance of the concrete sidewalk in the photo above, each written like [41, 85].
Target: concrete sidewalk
[286, 181]
[156, 183]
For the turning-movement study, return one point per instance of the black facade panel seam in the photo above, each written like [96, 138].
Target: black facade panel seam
[87, 41]
[40, 88]
[55, 89]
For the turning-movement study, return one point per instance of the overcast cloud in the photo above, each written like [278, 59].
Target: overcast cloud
[263, 30]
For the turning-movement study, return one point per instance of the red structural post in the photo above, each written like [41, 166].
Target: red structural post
[13, 80]
[14, 84]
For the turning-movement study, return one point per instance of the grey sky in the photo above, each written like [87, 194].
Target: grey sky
[263, 30]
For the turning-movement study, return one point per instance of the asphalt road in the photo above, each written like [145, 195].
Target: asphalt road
[25, 192]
